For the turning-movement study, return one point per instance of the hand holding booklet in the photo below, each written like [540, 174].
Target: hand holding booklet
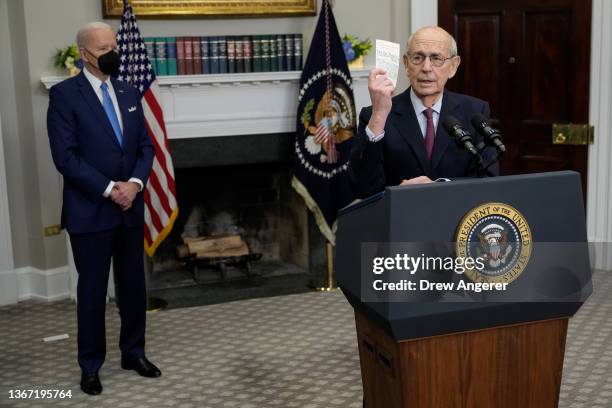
[387, 58]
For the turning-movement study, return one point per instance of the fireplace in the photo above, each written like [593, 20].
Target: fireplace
[238, 185]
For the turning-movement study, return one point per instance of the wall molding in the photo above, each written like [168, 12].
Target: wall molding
[31, 283]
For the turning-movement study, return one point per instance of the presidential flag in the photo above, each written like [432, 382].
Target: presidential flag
[325, 126]
[161, 209]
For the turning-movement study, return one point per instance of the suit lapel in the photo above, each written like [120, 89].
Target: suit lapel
[442, 140]
[94, 103]
[408, 126]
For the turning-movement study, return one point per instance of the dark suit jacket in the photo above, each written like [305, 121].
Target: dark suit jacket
[401, 153]
[88, 155]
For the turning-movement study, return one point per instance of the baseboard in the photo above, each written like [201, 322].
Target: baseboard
[600, 252]
[32, 283]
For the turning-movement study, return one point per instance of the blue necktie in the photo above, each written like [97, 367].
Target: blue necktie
[110, 112]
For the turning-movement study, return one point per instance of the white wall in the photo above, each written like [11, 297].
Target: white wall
[8, 280]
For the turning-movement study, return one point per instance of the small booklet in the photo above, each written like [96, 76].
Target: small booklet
[387, 58]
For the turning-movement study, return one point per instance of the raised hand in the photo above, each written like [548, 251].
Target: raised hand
[381, 91]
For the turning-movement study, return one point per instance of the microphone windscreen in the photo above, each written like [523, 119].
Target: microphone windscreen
[478, 119]
[449, 122]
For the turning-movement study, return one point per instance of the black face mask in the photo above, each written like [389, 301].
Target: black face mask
[109, 63]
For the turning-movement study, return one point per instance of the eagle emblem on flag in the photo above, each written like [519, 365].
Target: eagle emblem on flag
[332, 123]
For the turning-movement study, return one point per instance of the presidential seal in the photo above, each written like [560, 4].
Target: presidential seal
[499, 235]
[327, 122]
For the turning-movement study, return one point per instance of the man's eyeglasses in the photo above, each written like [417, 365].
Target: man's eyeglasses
[435, 59]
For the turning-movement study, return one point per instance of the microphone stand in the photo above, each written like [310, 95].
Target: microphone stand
[484, 170]
[481, 170]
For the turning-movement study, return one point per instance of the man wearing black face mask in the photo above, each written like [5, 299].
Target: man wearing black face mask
[100, 145]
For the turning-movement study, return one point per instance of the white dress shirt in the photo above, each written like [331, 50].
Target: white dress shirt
[418, 106]
[96, 85]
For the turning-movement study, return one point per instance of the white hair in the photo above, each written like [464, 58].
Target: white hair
[453, 47]
[83, 33]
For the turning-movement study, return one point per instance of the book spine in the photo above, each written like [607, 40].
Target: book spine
[150, 46]
[223, 57]
[247, 50]
[188, 57]
[231, 54]
[197, 55]
[281, 53]
[256, 45]
[160, 52]
[204, 50]
[180, 55]
[297, 51]
[289, 58]
[214, 55]
[273, 53]
[265, 53]
[239, 55]
[171, 55]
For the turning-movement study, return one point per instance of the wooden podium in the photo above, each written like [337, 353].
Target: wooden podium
[502, 367]
[483, 352]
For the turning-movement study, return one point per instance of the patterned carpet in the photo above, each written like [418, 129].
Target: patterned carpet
[287, 351]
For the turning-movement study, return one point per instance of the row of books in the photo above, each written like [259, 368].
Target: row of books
[224, 54]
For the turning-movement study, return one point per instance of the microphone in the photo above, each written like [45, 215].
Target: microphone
[492, 136]
[462, 137]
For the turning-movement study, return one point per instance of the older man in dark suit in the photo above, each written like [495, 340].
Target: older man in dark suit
[400, 140]
[100, 145]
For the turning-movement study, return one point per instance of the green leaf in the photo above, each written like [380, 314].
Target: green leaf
[305, 118]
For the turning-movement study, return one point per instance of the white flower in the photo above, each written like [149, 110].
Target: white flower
[69, 63]
[312, 146]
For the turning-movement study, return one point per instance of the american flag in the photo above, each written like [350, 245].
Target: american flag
[323, 132]
[160, 192]
[324, 135]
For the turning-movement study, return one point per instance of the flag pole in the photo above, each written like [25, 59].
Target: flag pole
[330, 251]
[330, 270]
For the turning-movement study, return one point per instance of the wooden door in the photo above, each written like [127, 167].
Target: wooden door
[530, 60]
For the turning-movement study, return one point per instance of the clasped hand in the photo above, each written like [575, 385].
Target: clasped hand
[123, 193]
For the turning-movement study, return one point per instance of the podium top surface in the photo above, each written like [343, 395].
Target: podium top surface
[465, 183]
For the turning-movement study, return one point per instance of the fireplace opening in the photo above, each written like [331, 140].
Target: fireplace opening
[241, 232]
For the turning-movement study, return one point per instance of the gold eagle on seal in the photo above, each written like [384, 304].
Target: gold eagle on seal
[334, 123]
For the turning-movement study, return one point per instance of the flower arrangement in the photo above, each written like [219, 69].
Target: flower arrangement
[355, 49]
[68, 58]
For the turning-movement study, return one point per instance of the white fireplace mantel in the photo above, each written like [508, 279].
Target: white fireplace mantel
[234, 104]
